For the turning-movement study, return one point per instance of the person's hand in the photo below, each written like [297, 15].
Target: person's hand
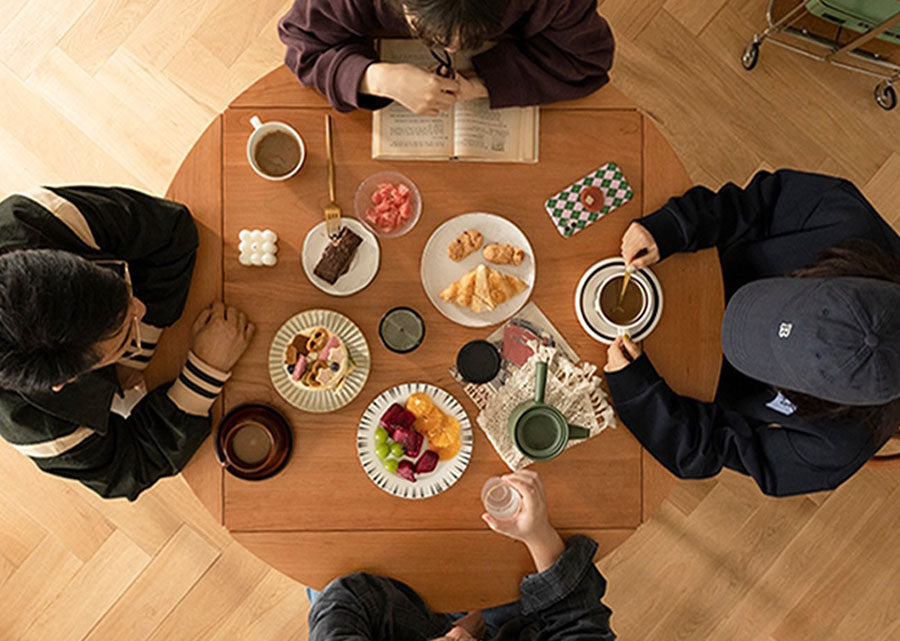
[221, 335]
[531, 518]
[471, 626]
[531, 525]
[638, 247]
[129, 378]
[417, 89]
[470, 88]
[621, 353]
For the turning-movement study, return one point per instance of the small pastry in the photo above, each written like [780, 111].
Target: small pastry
[317, 340]
[467, 242]
[503, 254]
[482, 289]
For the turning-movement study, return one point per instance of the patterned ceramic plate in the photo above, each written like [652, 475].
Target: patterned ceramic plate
[320, 401]
[427, 485]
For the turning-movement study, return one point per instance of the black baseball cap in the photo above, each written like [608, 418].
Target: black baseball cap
[837, 339]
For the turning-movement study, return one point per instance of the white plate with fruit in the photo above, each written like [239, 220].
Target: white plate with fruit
[414, 441]
[478, 269]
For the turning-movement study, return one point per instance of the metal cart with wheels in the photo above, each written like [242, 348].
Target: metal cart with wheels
[835, 31]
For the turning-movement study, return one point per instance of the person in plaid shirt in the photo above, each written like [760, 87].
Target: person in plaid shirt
[562, 600]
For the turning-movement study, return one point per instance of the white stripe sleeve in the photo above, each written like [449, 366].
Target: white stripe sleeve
[138, 356]
[197, 387]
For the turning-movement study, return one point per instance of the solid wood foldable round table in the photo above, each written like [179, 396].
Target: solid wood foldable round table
[322, 517]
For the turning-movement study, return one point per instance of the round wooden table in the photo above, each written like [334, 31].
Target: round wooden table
[322, 517]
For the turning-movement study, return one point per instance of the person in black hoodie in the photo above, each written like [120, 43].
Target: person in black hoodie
[810, 383]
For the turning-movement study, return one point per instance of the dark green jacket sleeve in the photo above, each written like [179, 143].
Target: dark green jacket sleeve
[157, 237]
[155, 441]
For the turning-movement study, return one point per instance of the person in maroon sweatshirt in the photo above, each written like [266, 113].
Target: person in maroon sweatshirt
[545, 51]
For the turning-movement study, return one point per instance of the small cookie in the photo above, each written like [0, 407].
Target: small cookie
[467, 242]
[503, 254]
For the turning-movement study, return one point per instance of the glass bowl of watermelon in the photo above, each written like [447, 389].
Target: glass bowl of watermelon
[388, 204]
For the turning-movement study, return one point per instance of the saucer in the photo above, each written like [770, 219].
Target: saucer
[586, 294]
[269, 421]
[363, 266]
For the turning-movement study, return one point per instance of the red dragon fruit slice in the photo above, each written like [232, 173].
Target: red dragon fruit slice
[397, 415]
[427, 463]
[412, 443]
[406, 470]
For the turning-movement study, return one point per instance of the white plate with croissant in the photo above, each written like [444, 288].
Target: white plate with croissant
[478, 269]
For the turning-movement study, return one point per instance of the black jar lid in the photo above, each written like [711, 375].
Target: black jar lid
[478, 362]
[401, 330]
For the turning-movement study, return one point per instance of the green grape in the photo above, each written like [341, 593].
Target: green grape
[380, 435]
[397, 450]
[381, 451]
[391, 465]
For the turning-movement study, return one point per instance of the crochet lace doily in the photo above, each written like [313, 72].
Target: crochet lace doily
[573, 389]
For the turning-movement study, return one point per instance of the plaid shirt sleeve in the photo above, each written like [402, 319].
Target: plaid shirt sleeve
[567, 596]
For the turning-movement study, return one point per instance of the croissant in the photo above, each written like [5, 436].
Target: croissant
[482, 289]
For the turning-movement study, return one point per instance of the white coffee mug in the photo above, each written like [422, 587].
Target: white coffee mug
[260, 130]
[638, 281]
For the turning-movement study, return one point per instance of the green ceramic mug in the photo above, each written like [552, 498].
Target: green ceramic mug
[540, 431]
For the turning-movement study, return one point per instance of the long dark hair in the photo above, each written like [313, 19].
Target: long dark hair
[54, 308]
[861, 259]
[467, 23]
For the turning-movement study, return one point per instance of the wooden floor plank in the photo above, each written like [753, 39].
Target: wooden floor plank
[102, 29]
[35, 30]
[62, 509]
[93, 590]
[35, 585]
[160, 587]
[214, 597]
[19, 533]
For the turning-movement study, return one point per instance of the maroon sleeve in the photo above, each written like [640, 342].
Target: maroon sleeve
[566, 53]
[329, 47]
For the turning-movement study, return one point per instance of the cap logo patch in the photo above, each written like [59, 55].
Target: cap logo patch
[784, 330]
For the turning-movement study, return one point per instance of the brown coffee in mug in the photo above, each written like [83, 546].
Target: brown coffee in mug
[277, 153]
[632, 302]
[250, 445]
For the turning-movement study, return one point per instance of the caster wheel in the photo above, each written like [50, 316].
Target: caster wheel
[885, 96]
[751, 56]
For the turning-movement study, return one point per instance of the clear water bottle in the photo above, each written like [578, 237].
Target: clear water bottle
[500, 498]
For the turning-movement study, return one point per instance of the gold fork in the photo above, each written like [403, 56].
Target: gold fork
[332, 209]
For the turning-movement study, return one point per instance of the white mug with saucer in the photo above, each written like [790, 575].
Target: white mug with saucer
[640, 319]
[260, 131]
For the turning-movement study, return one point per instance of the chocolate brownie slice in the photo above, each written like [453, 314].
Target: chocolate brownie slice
[335, 260]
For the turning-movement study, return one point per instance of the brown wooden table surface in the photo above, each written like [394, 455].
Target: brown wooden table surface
[322, 517]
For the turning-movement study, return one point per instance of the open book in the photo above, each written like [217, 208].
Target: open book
[469, 131]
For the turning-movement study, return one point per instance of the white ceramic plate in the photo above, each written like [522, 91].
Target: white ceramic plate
[320, 401]
[427, 485]
[586, 294]
[438, 271]
[363, 266]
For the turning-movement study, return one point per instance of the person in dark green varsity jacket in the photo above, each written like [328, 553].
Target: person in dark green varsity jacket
[89, 277]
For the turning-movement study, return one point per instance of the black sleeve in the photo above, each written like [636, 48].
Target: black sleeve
[693, 439]
[771, 205]
[566, 597]
[364, 607]
[155, 441]
[157, 237]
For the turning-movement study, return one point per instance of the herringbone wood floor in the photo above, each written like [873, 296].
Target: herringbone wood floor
[116, 91]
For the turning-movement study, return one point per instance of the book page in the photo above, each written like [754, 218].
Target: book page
[398, 132]
[494, 134]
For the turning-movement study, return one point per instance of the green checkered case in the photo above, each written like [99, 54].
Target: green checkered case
[566, 210]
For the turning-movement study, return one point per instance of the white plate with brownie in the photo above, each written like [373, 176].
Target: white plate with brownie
[345, 266]
[319, 360]
[478, 269]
